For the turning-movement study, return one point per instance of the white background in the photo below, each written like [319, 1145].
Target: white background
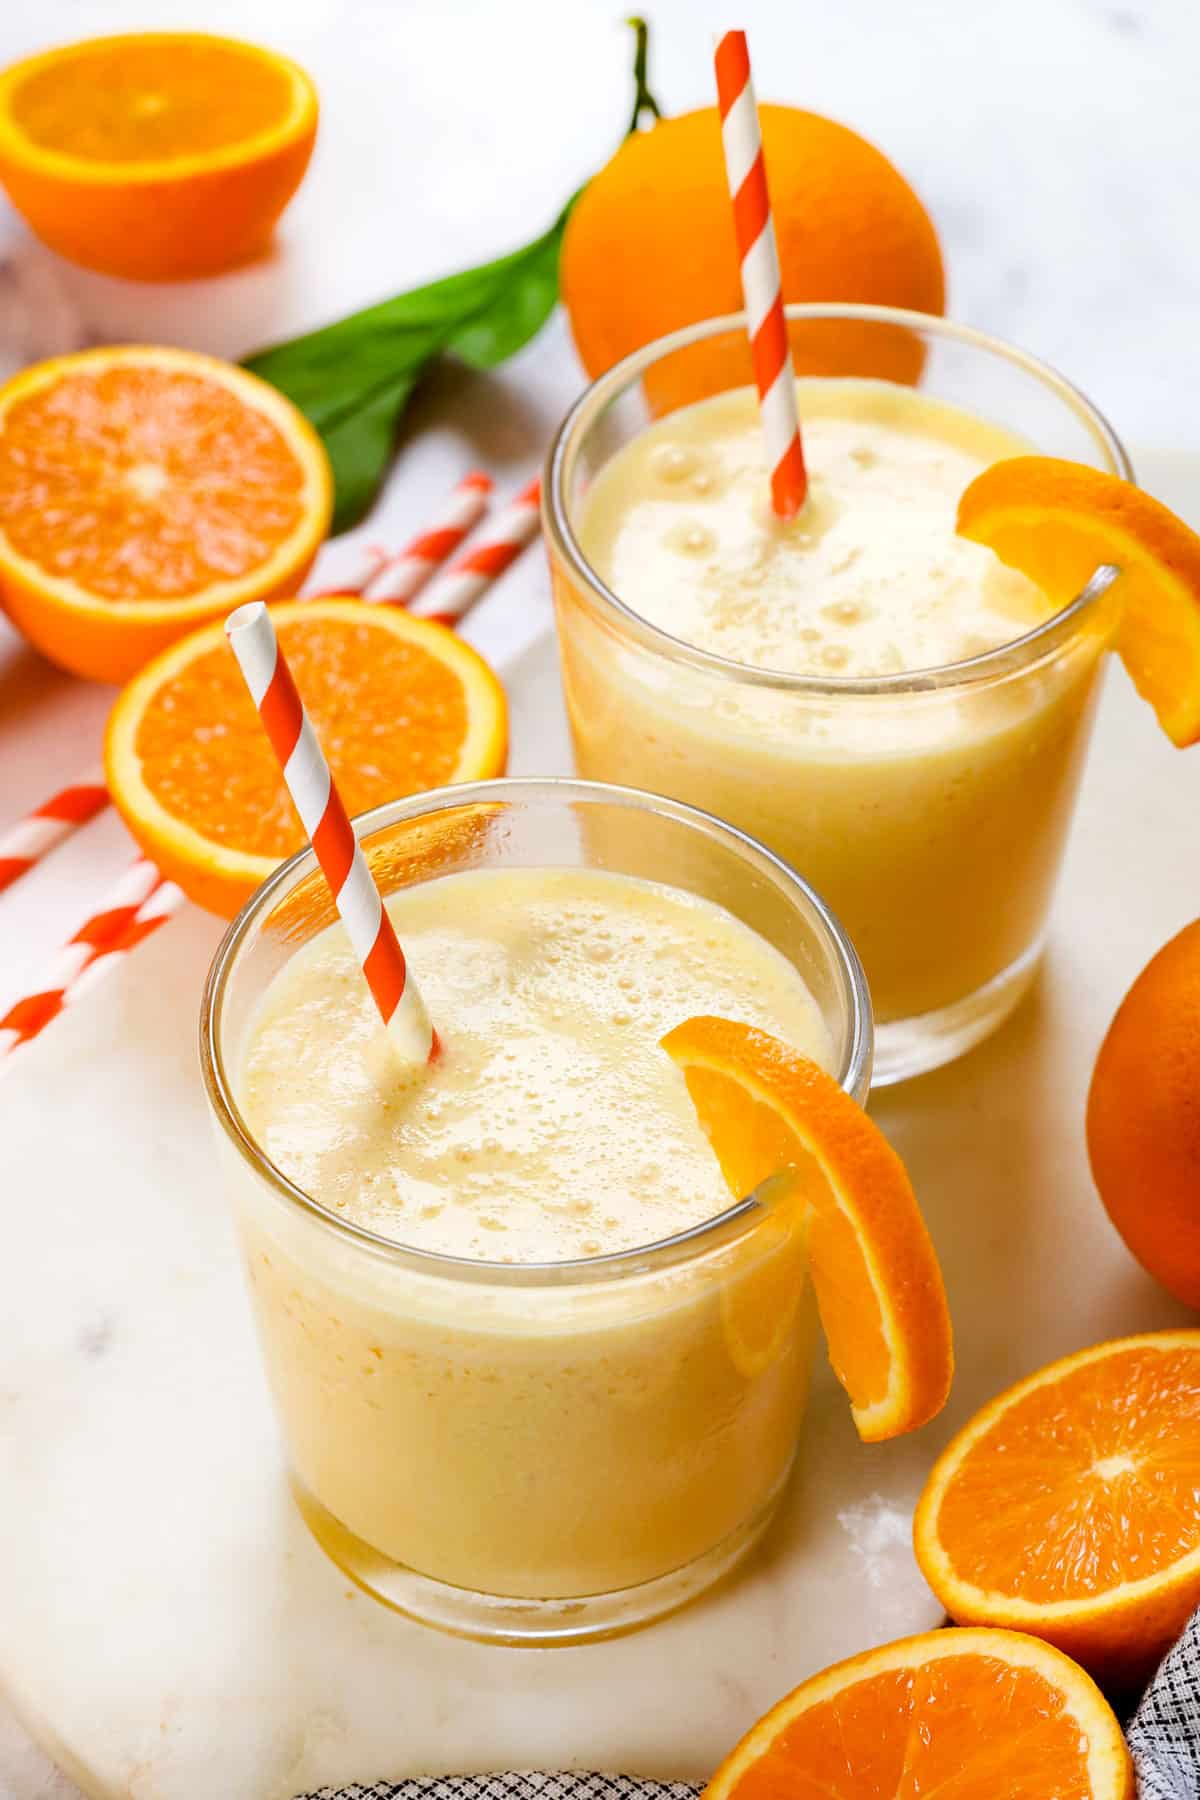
[1055, 142]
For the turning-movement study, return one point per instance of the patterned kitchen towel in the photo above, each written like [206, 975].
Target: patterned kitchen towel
[517, 1784]
[1164, 1737]
[1165, 1733]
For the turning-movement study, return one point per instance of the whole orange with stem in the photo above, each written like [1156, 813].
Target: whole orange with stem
[158, 156]
[650, 247]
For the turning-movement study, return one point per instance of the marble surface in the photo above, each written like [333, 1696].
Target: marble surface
[170, 1631]
[1055, 143]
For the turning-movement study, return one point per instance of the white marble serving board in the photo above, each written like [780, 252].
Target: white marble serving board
[168, 1629]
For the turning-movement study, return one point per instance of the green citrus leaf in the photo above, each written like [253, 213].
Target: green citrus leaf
[524, 292]
[353, 379]
[359, 447]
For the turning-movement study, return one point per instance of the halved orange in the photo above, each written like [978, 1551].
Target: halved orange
[1070, 1507]
[158, 155]
[963, 1715]
[1059, 521]
[400, 705]
[765, 1108]
[145, 491]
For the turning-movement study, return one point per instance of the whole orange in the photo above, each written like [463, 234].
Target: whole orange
[1143, 1117]
[649, 247]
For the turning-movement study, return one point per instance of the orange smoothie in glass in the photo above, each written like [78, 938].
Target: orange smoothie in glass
[494, 1293]
[835, 685]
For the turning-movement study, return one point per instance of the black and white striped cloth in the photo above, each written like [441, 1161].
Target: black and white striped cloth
[1164, 1736]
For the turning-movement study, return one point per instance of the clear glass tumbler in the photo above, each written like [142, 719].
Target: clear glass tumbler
[530, 1453]
[930, 807]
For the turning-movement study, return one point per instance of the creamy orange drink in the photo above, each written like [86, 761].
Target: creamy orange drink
[835, 685]
[498, 1399]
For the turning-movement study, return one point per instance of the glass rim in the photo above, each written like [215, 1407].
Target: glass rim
[724, 1228]
[1005, 659]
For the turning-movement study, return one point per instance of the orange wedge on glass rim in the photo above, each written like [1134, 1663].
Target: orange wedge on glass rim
[1059, 521]
[1070, 1506]
[400, 705]
[963, 1715]
[875, 1275]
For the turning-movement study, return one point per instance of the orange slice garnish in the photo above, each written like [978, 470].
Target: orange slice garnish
[963, 1715]
[400, 704]
[1070, 1507]
[157, 155]
[1059, 521]
[878, 1287]
[143, 492]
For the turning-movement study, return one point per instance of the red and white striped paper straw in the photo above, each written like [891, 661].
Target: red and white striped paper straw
[99, 933]
[310, 783]
[152, 914]
[94, 951]
[762, 284]
[405, 575]
[25, 843]
[369, 561]
[455, 592]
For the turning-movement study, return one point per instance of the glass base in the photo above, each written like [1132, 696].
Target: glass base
[908, 1047]
[497, 1619]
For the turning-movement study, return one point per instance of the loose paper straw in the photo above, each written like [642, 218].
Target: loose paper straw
[762, 286]
[369, 560]
[99, 933]
[310, 783]
[456, 591]
[153, 913]
[405, 575]
[42, 830]
[25, 843]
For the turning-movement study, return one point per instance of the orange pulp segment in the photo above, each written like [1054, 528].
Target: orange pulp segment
[965, 1715]
[875, 1274]
[400, 705]
[1059, 521]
